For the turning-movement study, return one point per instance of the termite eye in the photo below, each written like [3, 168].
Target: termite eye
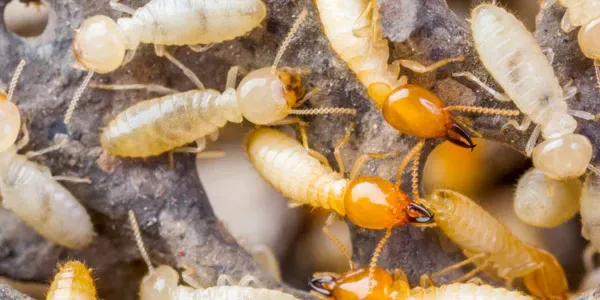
[292, 85]
[99, 45]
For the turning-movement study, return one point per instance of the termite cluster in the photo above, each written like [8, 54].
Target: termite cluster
[548, 195]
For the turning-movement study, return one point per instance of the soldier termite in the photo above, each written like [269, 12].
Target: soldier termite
[492, 247]
[72, 282]
[162, 283]
[353, 30]
[543, 202]
[265, 96]
[513, 57]
[369, 202]
[30, 191]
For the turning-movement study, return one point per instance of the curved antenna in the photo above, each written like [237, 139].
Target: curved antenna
[288, 39]
[15, 79]
[138, 240]
[77, 97]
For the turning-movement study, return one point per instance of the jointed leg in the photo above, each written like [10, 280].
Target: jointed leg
[499, 96]
[200, 48]
[549, 54]
[360, 161]
[189, 277]
[265, 257]
[25, 139]
[59, 145]
[336, 241]
[200, 146]
[320, 157]
[232, 77]
[581, 114]
[128, 56]
[72, 179]
[225, 280]
[161, 51]
[114, 4]
[426, 280]
[155, 88]
[532, 140]
[419, 68]
[416, 149]
[363, 25]
[337, 150]
[249, 279]
[472, 273]
[520, 127]
[376, 254]
[306, 97]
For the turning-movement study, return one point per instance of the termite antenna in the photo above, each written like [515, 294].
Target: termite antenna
[288, 39]
[324, 111]
[77, 97]
[376, 254]
[484, 110]
[15, 79]
[594, 169]
[596, 66]
[138, 240]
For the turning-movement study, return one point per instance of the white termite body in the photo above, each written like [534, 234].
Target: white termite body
[29, 191]
[584, 13]
[590, 210]
[513, 57]
[100, 43]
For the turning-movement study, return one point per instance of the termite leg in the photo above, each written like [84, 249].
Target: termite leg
[476, 280]
[468, 276]
[497, 95]
[225, 280]
[306, 97]
[523, 270]
[232, 75]
[581, 114]
[565, 24]
[549, 54]
[363, 25]
[154, 88]
[25, 139]
[200, 146]
[375, 258]
[532, 140]
[266, 258]
[320, 157]
[426, 280]
[337, 150]
[399, 275]
[336, 241]
[200, 48]
[72, 179]
[161, 51]
[114, 4]
[416, 66]
[289, 120]
[360, 161]
[406, 160]
[128, 56]
[520, 127]
[248, 280]
[189, 277]
[59, 145]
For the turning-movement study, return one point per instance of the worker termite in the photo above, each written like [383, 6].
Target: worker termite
[265, 96]
[369, 202]
[492, 247]
[513, 57]
[162, 283]
[543, 202]
[589, 210]
[354, 33]
[30, 191]
[72, 282]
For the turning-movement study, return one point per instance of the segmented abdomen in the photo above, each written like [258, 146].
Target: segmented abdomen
[30, 192]
[72, 282]
[230, 293]
[288, 167]
[190, 22]
[367, 57]
[513, 57]
[466, 291]
[158, 125]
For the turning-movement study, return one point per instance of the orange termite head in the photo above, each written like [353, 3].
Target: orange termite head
[375, 203]
[355, 285]
[414, 110]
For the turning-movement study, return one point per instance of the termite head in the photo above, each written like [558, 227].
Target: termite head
[10, 125]
[549, 281]
[99, 44]
[375, 203]
[588, 39]
[564, 158]
[355, 285]
[267, 96]
[414, 110]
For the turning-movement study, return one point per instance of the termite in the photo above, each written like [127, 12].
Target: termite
[543, 202]
[265, 96]
[489, 245]
[30, 191]
[72, 282]
[590, 214]
[369, 202]
[513, 57]
[353, 30]
[162, 282]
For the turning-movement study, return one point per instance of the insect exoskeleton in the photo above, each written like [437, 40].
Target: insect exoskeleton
[162, 282]
[31, 192]
[584, 13]
[72, 282]
[590, 214]
[354, 285]
[543, 202]
[491, 246]
[513, 57]
[100, 43]
[265, 96]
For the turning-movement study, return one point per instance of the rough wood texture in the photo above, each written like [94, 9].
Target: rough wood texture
[171, 205]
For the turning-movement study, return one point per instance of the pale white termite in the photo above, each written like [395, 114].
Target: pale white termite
[265, 96]
[590, 210]
[513, 57]
[31, 192]
[543, 202]
[162, 283]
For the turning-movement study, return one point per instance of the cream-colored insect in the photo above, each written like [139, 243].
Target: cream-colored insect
[264, 96]
[72, 282]
[492, 247]
[590, 210]
[513, 57]
[162, 283]
[31, 192]
[543, 202]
